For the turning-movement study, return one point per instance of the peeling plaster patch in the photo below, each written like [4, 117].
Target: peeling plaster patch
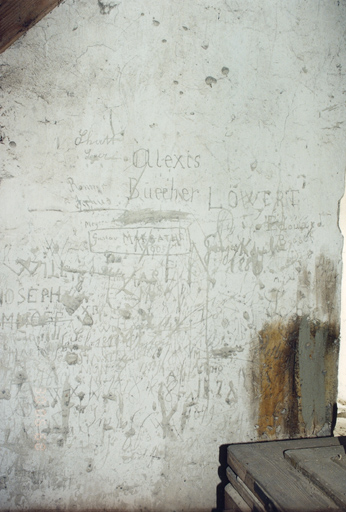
[20, 378]
[125, 313]
[4, 175]
[210, 80]
[106, 7]
[5, 394]
[36, 477]
[71, 358]
[87, 320]
[72, 303]
[130, 433]
[227, 351]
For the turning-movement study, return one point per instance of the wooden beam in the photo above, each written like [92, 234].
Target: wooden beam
[18, 16]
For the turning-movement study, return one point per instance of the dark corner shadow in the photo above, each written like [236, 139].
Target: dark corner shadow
[220, 489]
[342, 441]
[334, 416]
[103, 509]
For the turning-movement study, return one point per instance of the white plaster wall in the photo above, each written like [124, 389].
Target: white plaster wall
[170, 173]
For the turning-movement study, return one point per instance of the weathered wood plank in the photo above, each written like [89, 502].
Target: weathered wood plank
[18, 16]
[263, 468]
[325, 468]
[233, 501]
[249, 498]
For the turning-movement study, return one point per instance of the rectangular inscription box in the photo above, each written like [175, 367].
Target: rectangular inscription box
[148, 241]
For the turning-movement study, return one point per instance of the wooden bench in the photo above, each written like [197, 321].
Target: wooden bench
[307, 475]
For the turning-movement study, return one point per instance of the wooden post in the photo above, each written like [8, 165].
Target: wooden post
[18, 16]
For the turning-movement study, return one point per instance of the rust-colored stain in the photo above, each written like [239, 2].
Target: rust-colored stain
[297, 381]
[296, 378]
[278, 409]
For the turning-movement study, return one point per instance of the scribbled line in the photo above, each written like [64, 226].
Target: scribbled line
[85, 210]
[32, 210]
[150, 216]
[128, 217]
[140, 241]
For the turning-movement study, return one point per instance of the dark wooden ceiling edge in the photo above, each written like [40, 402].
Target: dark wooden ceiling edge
[17, 17]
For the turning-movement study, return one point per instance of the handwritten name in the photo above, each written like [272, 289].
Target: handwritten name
[87, 137]
[254, 199]
[147, 158]
[171, 193]
[31, 296]
[83, 187]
